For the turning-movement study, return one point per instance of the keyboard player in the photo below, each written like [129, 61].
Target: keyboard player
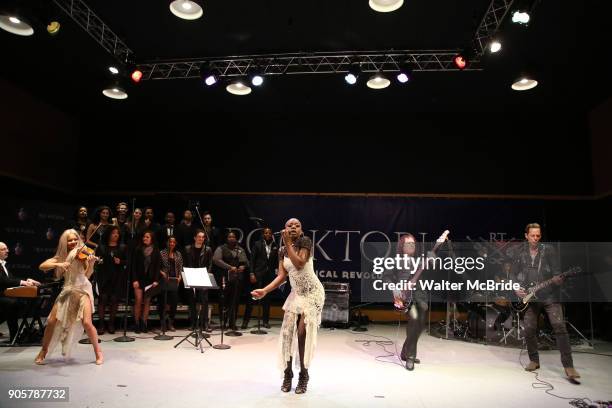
[10, 308]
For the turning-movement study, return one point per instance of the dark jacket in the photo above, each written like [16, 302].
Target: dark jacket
[544, 266]
[138, 272]
[203, 261]
[262, 265]
[7, 281]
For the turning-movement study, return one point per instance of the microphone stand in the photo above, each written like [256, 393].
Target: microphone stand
[258, 330]
[125, 338]
[163, 335]
[222, 346]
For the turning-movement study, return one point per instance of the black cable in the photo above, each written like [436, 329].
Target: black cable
[540, 384]
[383, 343]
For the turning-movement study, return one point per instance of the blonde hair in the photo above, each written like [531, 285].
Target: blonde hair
[62, 247]
[532, 225]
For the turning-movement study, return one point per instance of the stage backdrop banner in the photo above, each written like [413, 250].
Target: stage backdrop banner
[340, 226]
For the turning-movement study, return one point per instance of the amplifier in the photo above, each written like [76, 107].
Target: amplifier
[336, 307]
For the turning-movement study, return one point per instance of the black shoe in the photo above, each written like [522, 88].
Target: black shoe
[267, 325]
[145, 329]
[137, 327]
[234, 328]
[286, 386]
[244, 326]
[417, 361]
[410, 363]
[302, 384]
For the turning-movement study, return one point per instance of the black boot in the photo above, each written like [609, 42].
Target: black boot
[145, 328]
[286, 387]
[302, 384]
[137, 326]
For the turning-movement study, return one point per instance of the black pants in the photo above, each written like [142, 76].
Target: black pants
[232, 300]
[555, 316]
[414, 329]
[195, 296]
[264, 302]
[10, 311]
[171, 299]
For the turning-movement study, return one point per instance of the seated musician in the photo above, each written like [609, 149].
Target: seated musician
[10, 307]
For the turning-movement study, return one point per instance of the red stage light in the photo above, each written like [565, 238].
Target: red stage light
[460, 61]
[136, 76]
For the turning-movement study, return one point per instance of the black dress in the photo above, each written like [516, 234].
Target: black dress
[111, 277]
[145, 268]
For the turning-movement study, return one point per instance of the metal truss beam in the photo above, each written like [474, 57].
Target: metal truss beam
[490, 23]
[95, 27]
[305, 63]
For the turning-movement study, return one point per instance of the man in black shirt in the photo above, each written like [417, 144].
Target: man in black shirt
[535, 263]
[168, 230]
[185, 231]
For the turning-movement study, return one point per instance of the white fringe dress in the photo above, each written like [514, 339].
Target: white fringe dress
[306, 298]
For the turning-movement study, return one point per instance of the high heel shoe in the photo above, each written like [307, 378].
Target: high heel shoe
[137, 326]
[40, 358]
[99, 357]
[410, 363]
[286, 387]
[145, 328]
[302, 384]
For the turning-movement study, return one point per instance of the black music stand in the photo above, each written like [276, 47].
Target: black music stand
[197, 278]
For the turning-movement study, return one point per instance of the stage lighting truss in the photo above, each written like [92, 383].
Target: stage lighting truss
[296, 63]
[300, 64]
[95, 27]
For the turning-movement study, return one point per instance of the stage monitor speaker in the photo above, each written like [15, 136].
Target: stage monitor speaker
[336, 307]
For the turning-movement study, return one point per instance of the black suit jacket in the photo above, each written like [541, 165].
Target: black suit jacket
[261, 265]
[7, 281]
[163, 236]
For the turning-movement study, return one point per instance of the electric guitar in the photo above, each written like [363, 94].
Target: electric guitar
[407, 302]
[534, 288]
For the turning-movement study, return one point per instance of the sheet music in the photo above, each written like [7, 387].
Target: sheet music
[196, 277]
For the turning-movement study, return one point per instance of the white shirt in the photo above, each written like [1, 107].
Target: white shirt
[3, 263]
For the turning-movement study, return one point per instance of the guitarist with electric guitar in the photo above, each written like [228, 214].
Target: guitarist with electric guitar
[536, 267]
[414, 301]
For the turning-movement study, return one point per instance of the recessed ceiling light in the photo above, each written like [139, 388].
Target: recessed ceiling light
[186, 9]
[238, 87]
[385, 6]
[378, 81]
[524, 84]
[15, 25]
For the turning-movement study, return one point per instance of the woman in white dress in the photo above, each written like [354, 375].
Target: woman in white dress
[74, 306]
[302, 308]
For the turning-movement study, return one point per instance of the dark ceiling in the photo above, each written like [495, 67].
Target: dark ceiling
[559, 47]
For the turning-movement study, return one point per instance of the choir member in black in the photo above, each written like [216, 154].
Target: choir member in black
[186, 229]
[535, 263]
[121, 211]
[10, 308]
[233, 262]
[417, 310]
[198, 255]
[168, 229]
[213, 234]
[171, 268]
[96, 230]
[81, 222]
[264, 261]
[135, 227]
[110, 276]
[149, 220]
[145, 270]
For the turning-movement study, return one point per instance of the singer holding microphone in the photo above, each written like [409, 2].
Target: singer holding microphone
[302, 308]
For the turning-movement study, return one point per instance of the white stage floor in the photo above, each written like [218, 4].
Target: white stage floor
[344, 373]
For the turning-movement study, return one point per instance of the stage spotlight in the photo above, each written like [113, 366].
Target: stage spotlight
[385, 6]
[352, 75]
[53, 27]
[115, 91]
[16, 24]
[495, 46]
[186, 9]
[113, 70]
[207, 75]
[521, 17]
[136, 75]
[404, 75]
[524, 83]
[256, 77]
[460, 61]
[238, 87]
[378, 81]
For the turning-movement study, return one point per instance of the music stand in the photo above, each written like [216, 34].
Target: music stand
[197, 278]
